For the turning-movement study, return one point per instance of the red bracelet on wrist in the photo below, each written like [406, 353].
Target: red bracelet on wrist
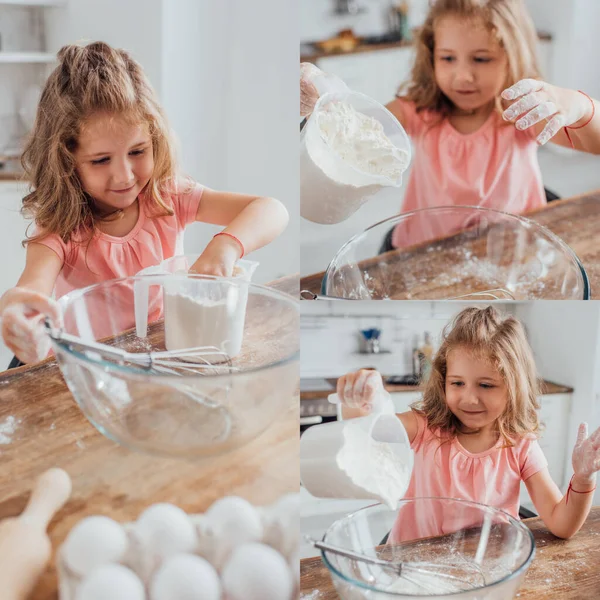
[234, 238]
[572, 489]
[567, 127]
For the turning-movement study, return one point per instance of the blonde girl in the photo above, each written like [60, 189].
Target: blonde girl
[474, 433]
[477, 112]
[106, 197]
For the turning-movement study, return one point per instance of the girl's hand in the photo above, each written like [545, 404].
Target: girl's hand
[218, 258]
[308, 92]
[23, 315]
[535, 101]
[586, 455]
[359, 389]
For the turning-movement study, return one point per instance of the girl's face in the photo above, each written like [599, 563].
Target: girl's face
[114, 160]
[475, 391]
[470, 64]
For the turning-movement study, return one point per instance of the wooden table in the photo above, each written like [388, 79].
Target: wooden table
[576, 220]
[111, 480]
[561, 569]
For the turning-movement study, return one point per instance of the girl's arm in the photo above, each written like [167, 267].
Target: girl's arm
[357, 391]
[24, 307]
[548, 109]
[251, 222]
[564, 515]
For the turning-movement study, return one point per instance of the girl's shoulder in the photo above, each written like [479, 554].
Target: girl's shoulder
[413, 118]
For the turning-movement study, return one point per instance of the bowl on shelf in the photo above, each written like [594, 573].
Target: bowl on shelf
[484, 551]
[199, 410]
[456, 252]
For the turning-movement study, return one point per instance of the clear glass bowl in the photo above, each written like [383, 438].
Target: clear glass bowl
[208, 412]
[454, 252]
[485, 548]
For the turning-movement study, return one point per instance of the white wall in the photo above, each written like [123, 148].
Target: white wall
[318, 20]
[330, 334]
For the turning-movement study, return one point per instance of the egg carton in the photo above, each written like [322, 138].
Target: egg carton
[144, 562]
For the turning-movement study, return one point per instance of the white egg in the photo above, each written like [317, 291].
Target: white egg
[186, 577]
[94, 541]
[165, 529]
[208, 542]
[257, 572]
[111, 581]
[294, 564]
[235, 521]
[282, 525]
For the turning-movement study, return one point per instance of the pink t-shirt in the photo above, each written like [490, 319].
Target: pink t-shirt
[493, 167]
[448, 470]
[152, 240]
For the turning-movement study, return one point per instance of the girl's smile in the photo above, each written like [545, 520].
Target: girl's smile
[114, 161]
[475, 391]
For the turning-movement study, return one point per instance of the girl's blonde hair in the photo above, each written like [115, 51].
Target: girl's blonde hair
[89, 79]
[501, 340]
[508, 20]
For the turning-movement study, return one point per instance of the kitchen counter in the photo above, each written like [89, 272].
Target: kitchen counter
[575, 220]
[313, 54]
[561, 569]
[546, 387]
[110, 480]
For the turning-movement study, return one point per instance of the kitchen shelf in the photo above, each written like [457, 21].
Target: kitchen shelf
[374, 353]
[27, 57]
[33, 2]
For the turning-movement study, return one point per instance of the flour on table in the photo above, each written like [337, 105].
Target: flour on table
[7, 429]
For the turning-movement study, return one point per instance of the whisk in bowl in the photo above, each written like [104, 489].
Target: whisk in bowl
[422, 575]
[189, 361]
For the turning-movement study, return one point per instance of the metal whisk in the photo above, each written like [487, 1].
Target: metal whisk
[189, 361]
[411, 571]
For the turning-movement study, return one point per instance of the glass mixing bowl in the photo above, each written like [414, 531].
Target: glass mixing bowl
[214, 408]
[455, 252]
[485, 549]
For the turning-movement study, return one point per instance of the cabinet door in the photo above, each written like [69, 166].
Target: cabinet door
[12, 232]
[403, 400]
[377, 73]
[554, 415]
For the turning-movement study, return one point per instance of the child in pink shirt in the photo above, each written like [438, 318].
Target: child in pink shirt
[106, 197]
[475, 144]
[474, 433]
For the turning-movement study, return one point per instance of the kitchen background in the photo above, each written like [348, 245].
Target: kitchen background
[565, 338]
[233, 106]
[568, 42]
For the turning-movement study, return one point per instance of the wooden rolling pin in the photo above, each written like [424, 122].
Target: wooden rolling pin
[24, 545]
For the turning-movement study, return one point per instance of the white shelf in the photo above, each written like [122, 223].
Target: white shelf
[27, 57]
[34, 2]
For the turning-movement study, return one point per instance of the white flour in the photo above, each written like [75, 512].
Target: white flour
[7, 429]
[219, 323]
[334, 187]
[374, 466]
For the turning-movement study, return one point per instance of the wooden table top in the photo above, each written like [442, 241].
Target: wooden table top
[110, 480]
[575, 220]
[561, 569]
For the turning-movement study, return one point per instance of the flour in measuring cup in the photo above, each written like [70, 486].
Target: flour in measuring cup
[360, 141]
[346, 159]
[191, 322]
[372, 465]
